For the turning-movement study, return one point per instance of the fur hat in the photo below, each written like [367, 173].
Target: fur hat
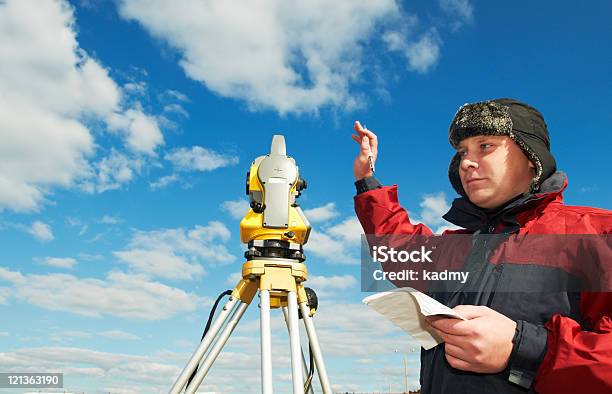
[521, 122]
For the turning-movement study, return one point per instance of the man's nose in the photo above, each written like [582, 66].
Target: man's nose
[468, 162]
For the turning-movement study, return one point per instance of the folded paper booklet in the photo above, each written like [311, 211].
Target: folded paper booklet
[407, 308]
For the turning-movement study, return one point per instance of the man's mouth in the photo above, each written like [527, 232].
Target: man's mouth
[474, 181]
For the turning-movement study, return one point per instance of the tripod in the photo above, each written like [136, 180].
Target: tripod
[279, 282]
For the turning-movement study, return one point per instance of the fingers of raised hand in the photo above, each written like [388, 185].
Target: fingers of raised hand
[356, 138]
[362, 130]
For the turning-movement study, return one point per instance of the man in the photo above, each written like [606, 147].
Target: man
[551, 340]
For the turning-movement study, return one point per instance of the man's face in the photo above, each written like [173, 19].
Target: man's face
[493, 170]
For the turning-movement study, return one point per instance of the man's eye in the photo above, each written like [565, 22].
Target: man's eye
[485, 146]
[462, 153]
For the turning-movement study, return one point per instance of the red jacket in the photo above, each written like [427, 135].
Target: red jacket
[561, 347]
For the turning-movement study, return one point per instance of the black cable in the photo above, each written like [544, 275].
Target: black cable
[308, 382]
[208, 323]
[313, 303]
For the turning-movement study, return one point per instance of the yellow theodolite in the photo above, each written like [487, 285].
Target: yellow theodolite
[275, 227]
[275, 230]
[273, 184]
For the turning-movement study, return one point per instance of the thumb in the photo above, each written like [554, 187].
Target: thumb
[471, 311]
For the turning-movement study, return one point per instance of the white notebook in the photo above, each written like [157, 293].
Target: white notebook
[407, 308]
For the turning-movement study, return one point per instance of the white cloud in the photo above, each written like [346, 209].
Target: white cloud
[236, 208]
[75, 222]
[4, 295]
[135, 88]
[113, 171]
[98, 364]
[199, 159]
[422, 54]
[349, 230]
[335, 281]
[176, 109]
[105, 372]
[445, 227]
[90, 257]
[46, 84]
[4, 334]
[141, 131]
[233, 278]
[120, 294]
[327, 248]
[343, 329]
[39, 149]
[67, 336]
[60, 262]
[289, 56]
[49, 86]
[177, 253]
[120, 335]
[339, 243]
[41, 231]
[322, 213]
[461, 11]
[176, 95]
[10, 276]
[434, 206]
[160, 262]
[163, 182]
[83, 230]
[107, 219]
[588, 189]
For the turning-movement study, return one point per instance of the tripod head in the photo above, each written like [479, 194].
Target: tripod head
[275, 226]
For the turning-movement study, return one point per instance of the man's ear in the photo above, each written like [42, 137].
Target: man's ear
[531, 165]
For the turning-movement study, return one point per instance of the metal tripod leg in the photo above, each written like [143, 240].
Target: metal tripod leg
[212, 356]
[294, 340]
[315, 348]
[181, 381]
[266, 342]
[304, 365]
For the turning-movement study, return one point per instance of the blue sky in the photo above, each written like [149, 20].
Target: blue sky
[127, 128]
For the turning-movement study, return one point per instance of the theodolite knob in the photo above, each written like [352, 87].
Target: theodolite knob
[257, 207]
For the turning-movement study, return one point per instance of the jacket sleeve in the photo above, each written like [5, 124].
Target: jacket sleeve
[579, 360]
[380, 213]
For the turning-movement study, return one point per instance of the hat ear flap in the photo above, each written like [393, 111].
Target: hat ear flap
[453, 174]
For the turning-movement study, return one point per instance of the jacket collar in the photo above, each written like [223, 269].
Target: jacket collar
[467, 215]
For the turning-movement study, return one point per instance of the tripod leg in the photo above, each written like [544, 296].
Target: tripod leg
[266, 342]
[304, 365]
[316, 350]
[214, 352]
[181, 381]
[294, 338]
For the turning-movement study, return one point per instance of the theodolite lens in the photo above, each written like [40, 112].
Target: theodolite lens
[248, 182]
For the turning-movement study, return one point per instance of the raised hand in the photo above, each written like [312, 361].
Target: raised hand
[368, 147]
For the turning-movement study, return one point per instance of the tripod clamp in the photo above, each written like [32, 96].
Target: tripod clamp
[274, 248]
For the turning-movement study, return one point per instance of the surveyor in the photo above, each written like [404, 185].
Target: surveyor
[508, 183]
